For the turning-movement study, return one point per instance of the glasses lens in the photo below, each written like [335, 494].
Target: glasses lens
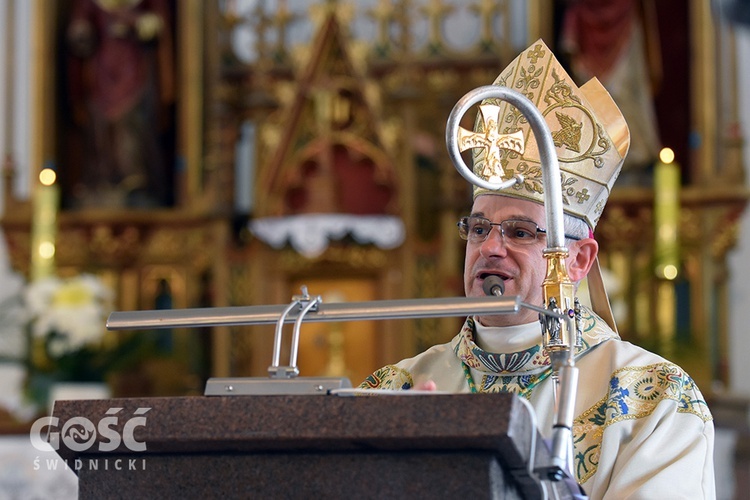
[516, 232]
[520, 232]
[474, 228]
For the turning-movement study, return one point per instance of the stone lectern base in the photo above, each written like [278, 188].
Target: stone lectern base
[410, 446]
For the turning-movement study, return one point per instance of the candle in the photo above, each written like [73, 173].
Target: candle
[46, 197]
[666, 216]
[244, 171]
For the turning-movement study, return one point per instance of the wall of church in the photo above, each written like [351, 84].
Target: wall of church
[15, 103]
[739, 258]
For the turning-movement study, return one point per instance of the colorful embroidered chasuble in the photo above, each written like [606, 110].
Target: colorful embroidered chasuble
[625, 394]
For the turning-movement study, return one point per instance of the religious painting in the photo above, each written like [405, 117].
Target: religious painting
[116, 100]
[639, 51]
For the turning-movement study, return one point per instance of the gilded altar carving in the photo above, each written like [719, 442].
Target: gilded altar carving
[384, 99]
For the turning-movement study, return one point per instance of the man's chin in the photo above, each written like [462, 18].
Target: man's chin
[497, 320]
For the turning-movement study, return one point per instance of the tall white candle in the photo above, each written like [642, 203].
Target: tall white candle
[46, 198]
[666, 216]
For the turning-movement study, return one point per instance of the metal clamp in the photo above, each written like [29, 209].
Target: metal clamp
[306, 303]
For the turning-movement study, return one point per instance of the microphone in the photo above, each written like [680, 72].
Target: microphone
[493, 285]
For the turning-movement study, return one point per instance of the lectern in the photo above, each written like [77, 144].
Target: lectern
[407, 446]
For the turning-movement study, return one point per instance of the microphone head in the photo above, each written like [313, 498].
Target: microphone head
[493, 285]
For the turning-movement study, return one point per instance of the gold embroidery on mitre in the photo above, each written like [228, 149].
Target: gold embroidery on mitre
[576, 121]
[583, 122]
[569, 134]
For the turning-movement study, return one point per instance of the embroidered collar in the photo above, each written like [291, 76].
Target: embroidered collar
[527, 361]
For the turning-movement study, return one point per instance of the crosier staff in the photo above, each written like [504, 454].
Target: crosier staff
[558, 327]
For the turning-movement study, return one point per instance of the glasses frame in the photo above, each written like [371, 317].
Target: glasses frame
[464, 222]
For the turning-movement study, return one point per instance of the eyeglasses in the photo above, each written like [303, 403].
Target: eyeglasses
[514, 231]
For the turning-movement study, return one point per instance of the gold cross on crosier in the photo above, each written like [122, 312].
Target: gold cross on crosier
[492, 141]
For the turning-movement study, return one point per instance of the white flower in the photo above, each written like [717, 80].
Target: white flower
[13, 316]
[74, 307]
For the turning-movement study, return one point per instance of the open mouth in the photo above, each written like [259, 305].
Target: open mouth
[483, 276]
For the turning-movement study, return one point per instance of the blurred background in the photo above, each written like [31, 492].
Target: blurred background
[164, 154]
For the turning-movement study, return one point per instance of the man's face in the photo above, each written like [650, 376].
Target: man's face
[522, 267]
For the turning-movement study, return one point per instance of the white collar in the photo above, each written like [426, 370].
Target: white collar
[504, 339]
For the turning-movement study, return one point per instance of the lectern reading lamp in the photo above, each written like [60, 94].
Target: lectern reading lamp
[558, 314]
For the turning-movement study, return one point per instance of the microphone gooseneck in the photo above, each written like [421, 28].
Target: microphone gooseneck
[493, 285]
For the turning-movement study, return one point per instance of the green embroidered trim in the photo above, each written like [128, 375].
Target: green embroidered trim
[634, 392]
[469, 378]
[388, 377]
[521, 385]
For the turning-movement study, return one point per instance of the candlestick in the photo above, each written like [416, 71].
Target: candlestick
[244, 169]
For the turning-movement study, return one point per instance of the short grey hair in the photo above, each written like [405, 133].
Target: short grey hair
[575, 226]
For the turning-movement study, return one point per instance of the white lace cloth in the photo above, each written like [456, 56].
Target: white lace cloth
[311, 234]
[28, 473]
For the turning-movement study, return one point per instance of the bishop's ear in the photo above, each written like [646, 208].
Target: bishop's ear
[581, 258]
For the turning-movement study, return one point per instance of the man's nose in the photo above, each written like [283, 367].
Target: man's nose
[495, 244]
